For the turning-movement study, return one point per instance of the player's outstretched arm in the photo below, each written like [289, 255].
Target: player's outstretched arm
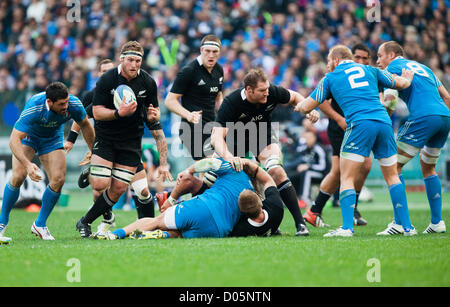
[173, 104]
[328, 110]
[307, 106]
[161, 145]
[72, 137]
[88, 132]
[445, 95]
[255, 172]
[15, 144]
[404, 81]
[219, 144]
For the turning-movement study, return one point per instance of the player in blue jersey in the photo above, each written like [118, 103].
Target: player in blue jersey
[39, 130]
[425, 131]
[210, 214]
[355, 88]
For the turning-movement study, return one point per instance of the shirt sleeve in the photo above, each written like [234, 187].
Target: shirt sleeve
[76, 109]
[182, 81]
[322, 91]
[282, 95]
[226, 113]
[25, 121]
[153, 97]
[385, 78]
[101, 92]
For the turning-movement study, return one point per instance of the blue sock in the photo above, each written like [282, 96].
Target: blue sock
[49, 199]
[348, 200]
[434, 195]
[397, 219]
[120, 233]
[10, 196]
[166, 234]
[398, 198]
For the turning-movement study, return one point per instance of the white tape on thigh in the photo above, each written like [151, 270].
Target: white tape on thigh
[122, 175]
[100, 171]
[388, 161]
[428, 160]
[139, 186]
[272, 162]
[435, 152]
[352, 156]
[169, 218]
[403, 159]
[409, 149]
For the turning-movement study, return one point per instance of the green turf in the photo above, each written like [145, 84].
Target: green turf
[277, 261]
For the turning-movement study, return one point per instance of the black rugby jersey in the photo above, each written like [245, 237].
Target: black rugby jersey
[199, 88]
[130, 127]
[273, 205]
[236, 108]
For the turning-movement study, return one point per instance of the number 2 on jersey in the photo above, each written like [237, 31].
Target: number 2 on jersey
[352, 78]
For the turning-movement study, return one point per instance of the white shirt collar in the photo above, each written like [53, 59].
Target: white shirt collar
[199, 60]
[256, 224]
[119, 69]
[345, 62]
[243, 96]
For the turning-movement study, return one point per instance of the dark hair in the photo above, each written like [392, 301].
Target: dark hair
[361, 46]
[254, 76]
[104, 61]
[56, 91]
[212, 38]
[394, 47]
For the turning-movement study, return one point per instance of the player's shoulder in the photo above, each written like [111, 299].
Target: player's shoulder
[146, 77]
[237, 96]
[36, 99]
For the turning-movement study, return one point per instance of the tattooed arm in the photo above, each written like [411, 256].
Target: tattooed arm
[161, 144]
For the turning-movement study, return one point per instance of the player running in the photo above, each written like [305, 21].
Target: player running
[369, 128]
[245, 115]
[425, 131]
[117, 149]
[199, 87]
[39, 130]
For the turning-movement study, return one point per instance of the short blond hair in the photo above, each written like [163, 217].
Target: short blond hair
[341, 52]
[250, 204]
[132, 46]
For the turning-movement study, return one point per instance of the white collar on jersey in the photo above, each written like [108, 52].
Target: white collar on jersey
[256, 224]
[199, 60]
[345, 62]
[399, 57]
[243, 96]
[119, 69]
[46, 105]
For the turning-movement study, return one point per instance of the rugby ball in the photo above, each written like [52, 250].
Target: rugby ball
[123, 91]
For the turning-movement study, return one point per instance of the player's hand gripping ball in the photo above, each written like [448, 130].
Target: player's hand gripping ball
[121, 92]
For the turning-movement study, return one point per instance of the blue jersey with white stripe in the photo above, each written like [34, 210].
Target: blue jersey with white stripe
[355, 88]
[222, 198]
[39, 121]
[422, 97]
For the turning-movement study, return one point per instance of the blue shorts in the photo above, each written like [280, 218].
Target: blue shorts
[431, 131]
[193, 218]
[363, 136]
[42, 145]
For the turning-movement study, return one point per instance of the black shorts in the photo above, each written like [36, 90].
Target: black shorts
[335, 135]
[195, 140]
[126, 152]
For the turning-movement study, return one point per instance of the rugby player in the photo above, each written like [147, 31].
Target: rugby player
[425, 131]
[199, 87]
[39, 130]
[210, 214]
[117, 149]
[369, 128]
[245, 115]
[335, 131]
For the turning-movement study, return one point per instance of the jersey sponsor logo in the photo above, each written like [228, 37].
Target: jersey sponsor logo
[351, 146]
[141, 94]
[214, 89]
[201, 82]
[256, 118]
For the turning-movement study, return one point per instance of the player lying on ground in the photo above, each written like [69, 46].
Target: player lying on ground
[215, 212]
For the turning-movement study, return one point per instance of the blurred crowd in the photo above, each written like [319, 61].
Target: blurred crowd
[47, 40]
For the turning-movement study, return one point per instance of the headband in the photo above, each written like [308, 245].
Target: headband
[211, 43]
[133, 53]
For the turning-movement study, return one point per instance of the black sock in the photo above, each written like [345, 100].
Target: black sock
[108, 215]
[289, 197]
[144, 208]
[357, 197]
[101, 205]
[320, 202]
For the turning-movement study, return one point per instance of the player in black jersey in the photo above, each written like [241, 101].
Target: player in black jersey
[336, 131]
[245, 125]
[259, 218]
[117, 149]
[199, 87]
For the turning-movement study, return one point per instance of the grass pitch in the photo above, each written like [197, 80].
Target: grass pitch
[286, 261]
